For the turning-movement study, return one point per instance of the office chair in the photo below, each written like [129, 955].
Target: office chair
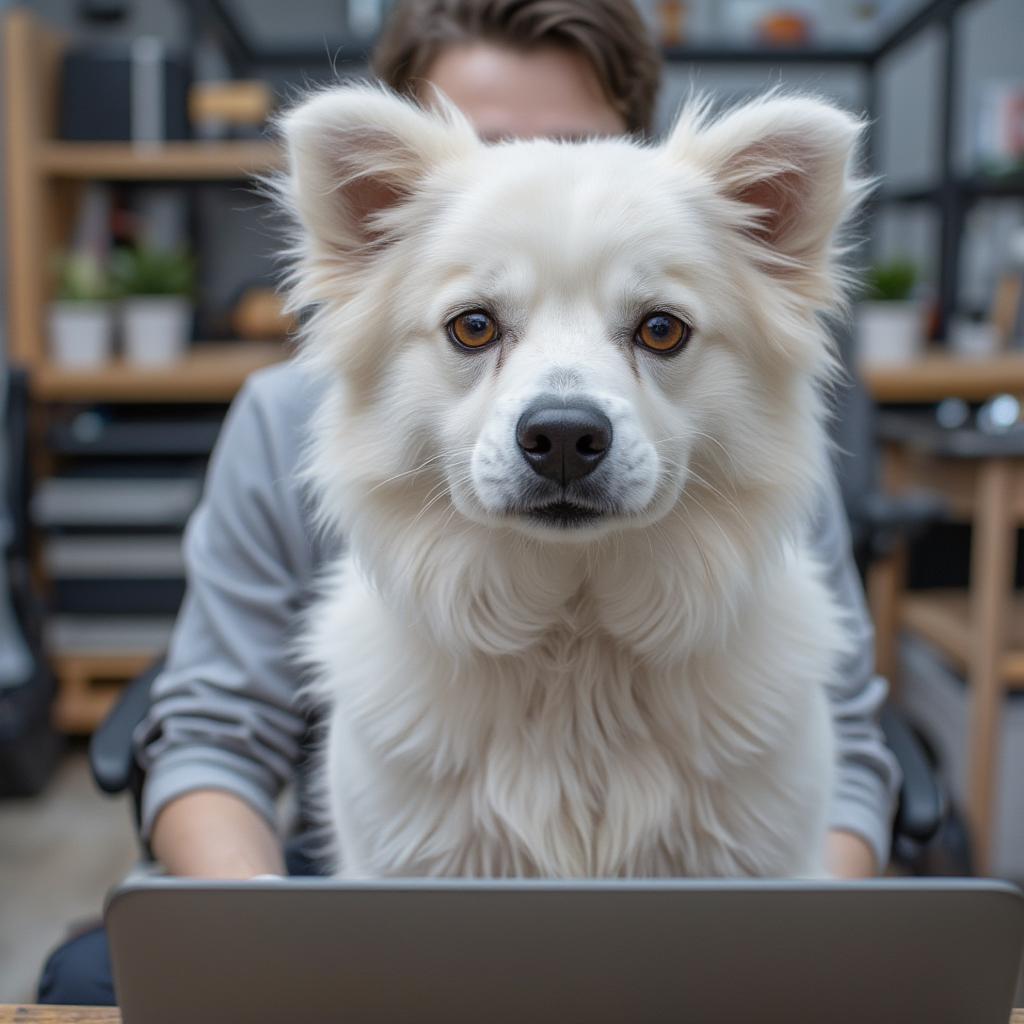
[29, 745]
[878, 521]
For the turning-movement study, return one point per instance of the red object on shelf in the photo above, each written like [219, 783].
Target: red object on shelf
[784, 28]
[672, 21]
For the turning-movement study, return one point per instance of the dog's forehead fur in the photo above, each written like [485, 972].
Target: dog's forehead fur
[575, 209]
[571, 239]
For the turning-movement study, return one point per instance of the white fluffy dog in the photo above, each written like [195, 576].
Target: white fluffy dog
[573, 434]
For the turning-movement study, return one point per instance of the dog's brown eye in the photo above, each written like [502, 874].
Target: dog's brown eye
[473, 330]
[663, 333]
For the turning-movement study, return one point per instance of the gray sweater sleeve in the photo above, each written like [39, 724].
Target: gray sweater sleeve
[224, 712]
[868, 776]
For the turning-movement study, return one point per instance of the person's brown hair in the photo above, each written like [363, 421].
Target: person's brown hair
[611, 34]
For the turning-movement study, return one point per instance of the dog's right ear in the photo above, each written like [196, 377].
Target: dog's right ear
[354, 154]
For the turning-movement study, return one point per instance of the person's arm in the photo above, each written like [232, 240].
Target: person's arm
[868, 776]
[222, 736]
[848, 855]
[211, 833]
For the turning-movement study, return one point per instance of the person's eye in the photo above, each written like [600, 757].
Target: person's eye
[473, 330]
[663, 333]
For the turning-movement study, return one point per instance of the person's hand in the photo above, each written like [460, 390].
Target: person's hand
[847, 855]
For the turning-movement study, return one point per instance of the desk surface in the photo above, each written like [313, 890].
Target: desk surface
[79, 1015]
[99, 1015]
[935, 377]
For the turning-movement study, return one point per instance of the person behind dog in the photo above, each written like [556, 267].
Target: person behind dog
[226, 732]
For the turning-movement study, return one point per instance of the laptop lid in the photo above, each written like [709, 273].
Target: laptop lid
[534, 952]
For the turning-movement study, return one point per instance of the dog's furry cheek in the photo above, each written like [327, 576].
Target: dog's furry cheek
[477, 434]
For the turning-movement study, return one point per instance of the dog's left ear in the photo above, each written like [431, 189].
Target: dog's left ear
[357, 152]
[786, 164]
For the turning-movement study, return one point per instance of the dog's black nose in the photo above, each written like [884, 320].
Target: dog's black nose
[563, 440]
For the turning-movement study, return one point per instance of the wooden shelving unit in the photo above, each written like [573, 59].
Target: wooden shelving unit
[940, 375]
[45, 179]
[943, 618]
[212, 372]
[90, 683]
[171, 161]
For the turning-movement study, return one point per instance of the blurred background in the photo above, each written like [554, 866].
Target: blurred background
[138, 276]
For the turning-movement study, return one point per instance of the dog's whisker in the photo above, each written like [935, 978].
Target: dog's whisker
[702, 481]
[708, 574]
[728, 501]
[443, 489]
[718, 526]
[446, 525]
[442, 493]
[705, 436]
[696, 434]
[422, 467]
[663, 533]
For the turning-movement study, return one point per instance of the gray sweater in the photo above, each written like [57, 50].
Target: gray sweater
[224, 713]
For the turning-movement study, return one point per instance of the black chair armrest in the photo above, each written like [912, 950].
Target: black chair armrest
[879, 521]
[902, 513]
[111, 754]
[922, 801]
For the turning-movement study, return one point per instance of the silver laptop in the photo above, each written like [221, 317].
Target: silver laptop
[419, 952]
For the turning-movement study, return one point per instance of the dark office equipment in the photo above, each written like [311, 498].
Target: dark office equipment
[114, 93]
[102, 11]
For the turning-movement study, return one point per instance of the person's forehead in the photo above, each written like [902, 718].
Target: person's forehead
[548, 91]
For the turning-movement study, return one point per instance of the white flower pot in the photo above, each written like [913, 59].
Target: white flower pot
[889, 332]
[155, 328]
[81, 334]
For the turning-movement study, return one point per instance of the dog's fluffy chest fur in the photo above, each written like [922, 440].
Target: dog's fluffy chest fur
[577, 757]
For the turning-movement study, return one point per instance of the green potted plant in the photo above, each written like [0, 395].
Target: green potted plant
[156, 309]
[82, 315]
[890, 321]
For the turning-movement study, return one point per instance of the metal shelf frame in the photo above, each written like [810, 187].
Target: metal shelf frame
[950, 195]
[244, 55]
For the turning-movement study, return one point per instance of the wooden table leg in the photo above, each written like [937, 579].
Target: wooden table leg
[887, 580]
[992, 564]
